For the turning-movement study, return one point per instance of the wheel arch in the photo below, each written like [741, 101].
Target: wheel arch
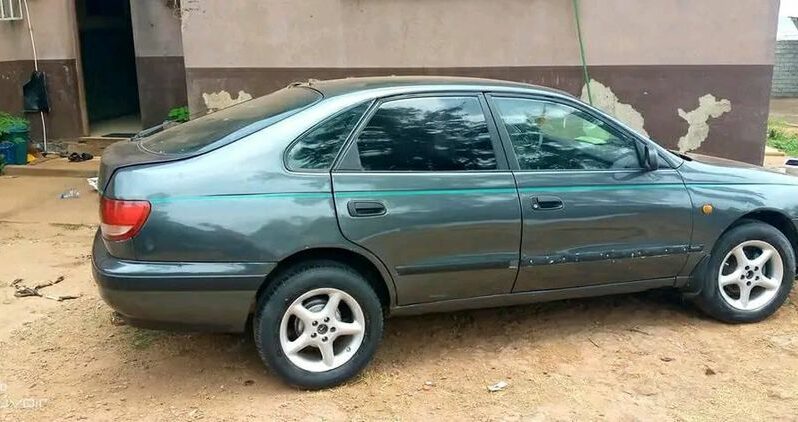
[369, 267]
[772, 217]
[704, 291]
[775, 218]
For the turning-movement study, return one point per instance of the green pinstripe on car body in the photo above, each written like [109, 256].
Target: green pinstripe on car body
[463, 191]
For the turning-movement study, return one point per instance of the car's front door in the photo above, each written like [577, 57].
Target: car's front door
[592, 214]
[425, 186]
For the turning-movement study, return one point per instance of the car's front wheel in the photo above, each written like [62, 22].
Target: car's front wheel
[318, 324]
[749, 275]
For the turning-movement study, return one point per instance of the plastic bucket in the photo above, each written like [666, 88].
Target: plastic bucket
[18, 135]
[7, 152]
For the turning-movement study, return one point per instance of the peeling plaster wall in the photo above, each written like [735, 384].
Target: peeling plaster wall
[698, 119]
[606, 100]
[644, 71]
[218, 100]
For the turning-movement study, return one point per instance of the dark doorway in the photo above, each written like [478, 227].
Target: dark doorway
[109, 67]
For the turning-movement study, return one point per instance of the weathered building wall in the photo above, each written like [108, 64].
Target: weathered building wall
[785, 71]
[659, 57]
[159, 59]
[56, 45]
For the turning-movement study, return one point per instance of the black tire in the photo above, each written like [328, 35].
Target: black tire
[292, 284]
[710, 299]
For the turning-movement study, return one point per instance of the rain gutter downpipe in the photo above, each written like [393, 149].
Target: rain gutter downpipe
[36, 67]
[585, 74]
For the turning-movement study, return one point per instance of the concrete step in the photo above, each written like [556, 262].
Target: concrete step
[773, 152]
[56, 167]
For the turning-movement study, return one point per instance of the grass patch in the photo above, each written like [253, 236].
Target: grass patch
[783, 137]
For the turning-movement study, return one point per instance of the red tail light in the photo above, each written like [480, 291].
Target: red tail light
[121, 220]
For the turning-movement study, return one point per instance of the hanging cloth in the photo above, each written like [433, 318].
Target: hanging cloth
[34, 93]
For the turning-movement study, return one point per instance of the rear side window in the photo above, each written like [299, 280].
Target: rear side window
[427, 134]
[231, 123]
[317, 149]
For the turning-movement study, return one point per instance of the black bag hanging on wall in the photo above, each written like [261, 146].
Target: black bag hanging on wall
[35, 93]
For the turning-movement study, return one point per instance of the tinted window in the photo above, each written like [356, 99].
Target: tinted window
[231, 123]
[427, 134]
[548, 136]
[317, 149]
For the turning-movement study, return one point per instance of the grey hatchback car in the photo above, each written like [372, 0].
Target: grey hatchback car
[309, 215]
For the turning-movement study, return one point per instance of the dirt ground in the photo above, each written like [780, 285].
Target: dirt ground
[634, 357]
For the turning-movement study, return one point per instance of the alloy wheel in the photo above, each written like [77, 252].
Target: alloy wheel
[322, 329]
[751, 275]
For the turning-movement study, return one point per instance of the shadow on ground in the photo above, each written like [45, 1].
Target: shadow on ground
[423, 340]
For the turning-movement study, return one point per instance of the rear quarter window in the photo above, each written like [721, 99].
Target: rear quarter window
[232, 123]
[316, 149]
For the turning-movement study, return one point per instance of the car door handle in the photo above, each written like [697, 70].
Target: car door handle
[546, 203]
[366, 208]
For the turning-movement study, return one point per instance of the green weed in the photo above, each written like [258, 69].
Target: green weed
[783, 137]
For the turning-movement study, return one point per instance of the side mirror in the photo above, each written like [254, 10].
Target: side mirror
[651, 158]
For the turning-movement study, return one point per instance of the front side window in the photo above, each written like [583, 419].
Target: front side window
[549, 136]
[316, 149]
[427, 134]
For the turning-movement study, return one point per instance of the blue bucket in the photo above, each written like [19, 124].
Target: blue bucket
[8, 152]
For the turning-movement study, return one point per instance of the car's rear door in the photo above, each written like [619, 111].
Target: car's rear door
[591, 213]
[424, 185]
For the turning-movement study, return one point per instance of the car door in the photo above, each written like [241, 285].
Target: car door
[424, 185]
[592, 214]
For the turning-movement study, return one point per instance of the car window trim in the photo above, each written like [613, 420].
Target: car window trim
[317, 125]
[513, 158]
[349, 158]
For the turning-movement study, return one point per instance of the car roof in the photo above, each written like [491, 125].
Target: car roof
[413, 84]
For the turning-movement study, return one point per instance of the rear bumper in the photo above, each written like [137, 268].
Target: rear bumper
[195, 296]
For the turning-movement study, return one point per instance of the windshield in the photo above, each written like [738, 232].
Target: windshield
[232, 123]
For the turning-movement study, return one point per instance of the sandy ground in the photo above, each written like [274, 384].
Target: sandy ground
[634, 357]
[775, 160]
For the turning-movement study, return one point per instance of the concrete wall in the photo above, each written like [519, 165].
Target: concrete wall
[785, 72]
[668, 66]
[56, 44]
[159, 59]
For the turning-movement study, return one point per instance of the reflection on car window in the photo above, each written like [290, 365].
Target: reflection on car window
[427, 134]
[256, 114]
[318, 148]
[548, 136]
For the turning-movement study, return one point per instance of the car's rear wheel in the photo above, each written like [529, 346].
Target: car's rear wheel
[318, 324]
[749, 275]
